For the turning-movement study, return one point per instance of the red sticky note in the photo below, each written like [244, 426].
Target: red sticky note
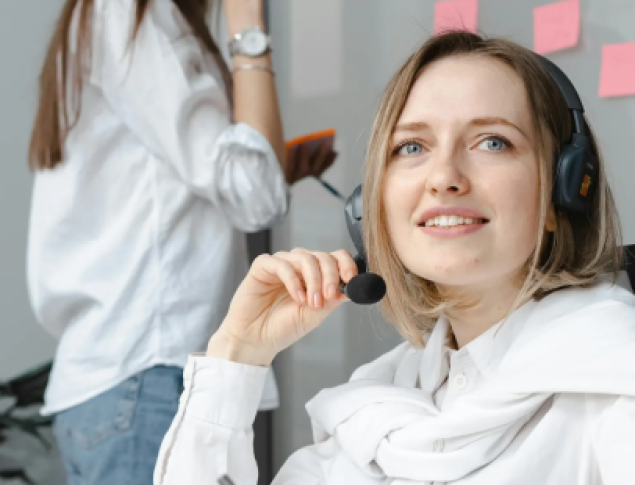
[456, 15]
[617, 76]
[556, 26]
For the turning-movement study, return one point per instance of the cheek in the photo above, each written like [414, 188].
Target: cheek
[520, 219]
[401, 196]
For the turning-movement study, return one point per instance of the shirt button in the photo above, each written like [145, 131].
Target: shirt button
[460, 381]
[437, 446]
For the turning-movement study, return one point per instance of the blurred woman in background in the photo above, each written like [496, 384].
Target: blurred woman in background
[152, 159]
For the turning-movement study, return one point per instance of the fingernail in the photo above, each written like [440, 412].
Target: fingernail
[300, 294]
[330, 291]
[316, 300]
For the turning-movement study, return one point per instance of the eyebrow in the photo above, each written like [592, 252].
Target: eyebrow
[496, 120]
[413, 126]
[487, 121]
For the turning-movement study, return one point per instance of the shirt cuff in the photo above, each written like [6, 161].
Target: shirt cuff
[223, 392]
[245, 135]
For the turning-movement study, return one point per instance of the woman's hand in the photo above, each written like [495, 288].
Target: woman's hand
[300, 163]
[282, 298]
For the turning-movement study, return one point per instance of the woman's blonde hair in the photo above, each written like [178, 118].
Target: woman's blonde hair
[581, 249]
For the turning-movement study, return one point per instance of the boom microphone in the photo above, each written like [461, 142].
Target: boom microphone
[364, 288]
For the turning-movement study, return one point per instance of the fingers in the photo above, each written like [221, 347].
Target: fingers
[326, 147]
[276, 268]
[327, 162]
[291, 167]
[316, 277]
[303, 161]
[333, 268]
[312, 273]
[346, 264]
[330, 276]
[323, 157]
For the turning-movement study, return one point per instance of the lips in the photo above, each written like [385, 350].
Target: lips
[452, 221]
[445, 215]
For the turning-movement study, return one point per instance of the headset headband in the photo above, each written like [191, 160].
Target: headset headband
[570, 94]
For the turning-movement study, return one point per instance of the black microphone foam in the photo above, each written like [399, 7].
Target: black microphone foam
[364, 288]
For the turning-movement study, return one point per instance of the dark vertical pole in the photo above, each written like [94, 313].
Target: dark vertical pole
[258, 243]
[629, 264]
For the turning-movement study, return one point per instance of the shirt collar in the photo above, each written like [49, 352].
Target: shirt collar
[489, 349]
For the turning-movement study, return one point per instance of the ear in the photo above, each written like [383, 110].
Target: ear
[550, 224]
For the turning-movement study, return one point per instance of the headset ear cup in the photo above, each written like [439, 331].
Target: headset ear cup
[575, 179]
[560, 192]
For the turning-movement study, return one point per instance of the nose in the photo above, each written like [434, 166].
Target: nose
[446, 177]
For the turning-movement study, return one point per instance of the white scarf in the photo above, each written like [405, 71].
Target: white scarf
[387, 427]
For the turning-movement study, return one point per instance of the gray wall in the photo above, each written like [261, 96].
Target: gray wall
[25, 27]
[376, 37]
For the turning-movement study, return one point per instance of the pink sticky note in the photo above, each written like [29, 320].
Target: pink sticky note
[455, 15]
[556, 26]
[617, 76]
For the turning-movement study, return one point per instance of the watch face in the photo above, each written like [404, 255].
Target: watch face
[254, 43]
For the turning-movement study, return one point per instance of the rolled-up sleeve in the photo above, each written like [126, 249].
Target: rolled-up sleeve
[171, 96]
[253, 190]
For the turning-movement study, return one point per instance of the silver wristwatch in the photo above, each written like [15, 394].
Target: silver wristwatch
[252, 42]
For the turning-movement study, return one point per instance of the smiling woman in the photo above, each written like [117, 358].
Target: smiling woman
[475, 161]
[476, 137]
[518, 365]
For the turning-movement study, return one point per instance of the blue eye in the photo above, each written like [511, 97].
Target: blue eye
[409, 148]
[494, 144]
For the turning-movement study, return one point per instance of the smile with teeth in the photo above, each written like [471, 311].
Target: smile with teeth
[452, 221]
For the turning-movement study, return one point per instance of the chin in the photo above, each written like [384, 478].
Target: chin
[455, 273]
[469, 278]
[453, 281]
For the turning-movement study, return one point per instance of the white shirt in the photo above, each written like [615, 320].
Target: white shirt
[575, 437]
[136, 240]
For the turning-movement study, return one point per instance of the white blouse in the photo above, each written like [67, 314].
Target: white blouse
[571, 356]
[136, 241]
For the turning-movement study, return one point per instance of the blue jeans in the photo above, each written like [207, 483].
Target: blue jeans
[114, 438]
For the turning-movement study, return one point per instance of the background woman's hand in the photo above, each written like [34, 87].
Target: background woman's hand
[300, 163]
[283, 297]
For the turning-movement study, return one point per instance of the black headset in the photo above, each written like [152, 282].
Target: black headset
[575, 174]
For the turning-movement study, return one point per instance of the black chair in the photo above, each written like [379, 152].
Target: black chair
[629, 264]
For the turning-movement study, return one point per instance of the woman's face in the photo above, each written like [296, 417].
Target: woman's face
[461, 190]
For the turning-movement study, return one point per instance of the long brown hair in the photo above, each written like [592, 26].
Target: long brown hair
[61, 78]
[577, 254]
